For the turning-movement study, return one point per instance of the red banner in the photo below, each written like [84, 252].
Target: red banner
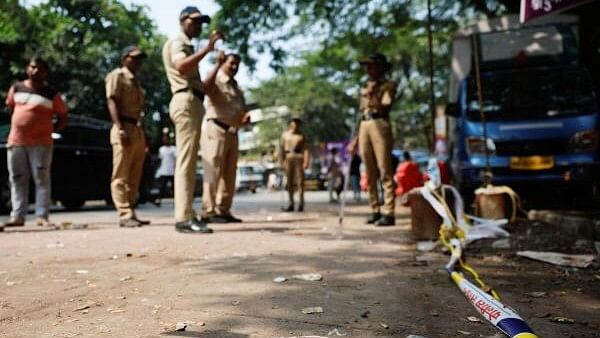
[531, 9]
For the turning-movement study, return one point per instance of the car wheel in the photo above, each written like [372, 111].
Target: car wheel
[5, 204]
[72, 204]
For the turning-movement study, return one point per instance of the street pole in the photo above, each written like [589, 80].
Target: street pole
[431, 91]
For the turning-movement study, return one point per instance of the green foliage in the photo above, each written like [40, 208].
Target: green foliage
[332, 35]
[323, 106]
[82, 40]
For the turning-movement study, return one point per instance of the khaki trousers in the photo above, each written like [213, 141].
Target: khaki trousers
[186, 112]
[295, 177]
[219, 160]
[128, 164]
[375, 144]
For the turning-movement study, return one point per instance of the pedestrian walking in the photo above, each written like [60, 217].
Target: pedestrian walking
[226, 112]
[355, 175]
[375, 137]
[32, 105]
[125, 99]
[295, 160]
[186, 111]
[167, 153]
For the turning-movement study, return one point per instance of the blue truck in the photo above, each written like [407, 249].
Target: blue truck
[541, 113]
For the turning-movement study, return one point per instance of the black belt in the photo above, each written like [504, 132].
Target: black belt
[130, 120]
[197, 93]
[373, 116]
[224, 126]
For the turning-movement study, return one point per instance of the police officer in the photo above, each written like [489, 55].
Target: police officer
[125, 100]
[225, 113]
[186, 111]
[375, 136]
[295, 158]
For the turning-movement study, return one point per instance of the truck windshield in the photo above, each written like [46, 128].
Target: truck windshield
[532, 94]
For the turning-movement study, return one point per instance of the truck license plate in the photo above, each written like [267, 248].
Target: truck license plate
[531, 162]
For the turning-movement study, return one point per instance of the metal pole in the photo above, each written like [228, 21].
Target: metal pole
[431, 85]
[487, 179]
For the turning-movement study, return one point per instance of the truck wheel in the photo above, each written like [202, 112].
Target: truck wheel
[72, 204]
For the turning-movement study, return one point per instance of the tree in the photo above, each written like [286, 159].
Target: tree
[82, 41]
[336, 33]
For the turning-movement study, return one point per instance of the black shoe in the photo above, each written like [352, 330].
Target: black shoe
[193, 226]
[290, 208]
[215, 219]
[232, 219]
[385, 220]
[142, 222]
[373, 218]
[130, 223]
[301, 208]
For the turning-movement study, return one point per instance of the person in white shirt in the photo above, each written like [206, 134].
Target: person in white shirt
[165, 173]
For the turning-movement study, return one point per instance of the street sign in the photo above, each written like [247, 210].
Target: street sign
[531, 9]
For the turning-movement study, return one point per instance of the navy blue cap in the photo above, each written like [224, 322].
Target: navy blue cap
[376, 58]
[132, 51]
[193, 12]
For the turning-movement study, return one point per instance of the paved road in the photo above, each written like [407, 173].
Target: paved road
[106, 281]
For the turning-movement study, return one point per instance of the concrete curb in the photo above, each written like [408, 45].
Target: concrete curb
[579, 224]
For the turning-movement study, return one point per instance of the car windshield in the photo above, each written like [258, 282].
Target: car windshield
[531, 94]
[246, 170]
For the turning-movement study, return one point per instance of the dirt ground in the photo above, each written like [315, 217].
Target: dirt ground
[105, 281]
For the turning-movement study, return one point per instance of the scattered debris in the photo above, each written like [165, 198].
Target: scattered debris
[181, 326]
[434, 313]
[415, 336]
[311, 277]
[310, 310]
[54, 245]
[474, 319]
[426, 246]
[563, 320]
[242, 255]
[126, 278]
[537, 294]
[114, 258]
[365, 314]
[11, 283]
[81, 308]
[336, 332]
[501, 244]
[384, 325]
[82, 272]
[235, 302]
[279, 279]
[466, 333]
[556, 258]
[72, 226]
[269, 218]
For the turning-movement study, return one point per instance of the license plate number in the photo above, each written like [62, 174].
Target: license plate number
[531, 162]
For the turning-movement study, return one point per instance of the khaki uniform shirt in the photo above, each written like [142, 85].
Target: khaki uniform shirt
[175, 49]
[226, 101]
[124, 88]
[375, 94]
[293, 144]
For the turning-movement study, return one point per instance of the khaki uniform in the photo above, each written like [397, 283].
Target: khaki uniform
[128, 162]
[293, 146]
[224, 110]
[375, 142]
[186, 112]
